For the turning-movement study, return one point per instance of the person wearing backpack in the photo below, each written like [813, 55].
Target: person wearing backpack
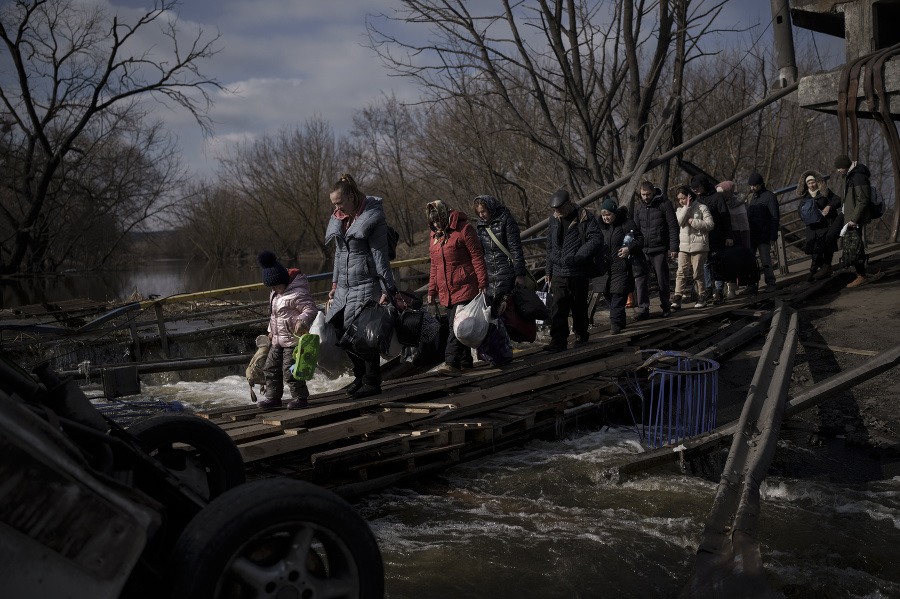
[362, 271]
[857, 190]
[655, 219]
[821, 236]
[573, 239]
[292, 310]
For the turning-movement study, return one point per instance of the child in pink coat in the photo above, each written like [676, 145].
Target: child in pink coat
[292, 311]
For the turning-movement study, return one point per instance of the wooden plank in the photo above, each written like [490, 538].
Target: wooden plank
[333, 454]
[296, 439]
[845, 350]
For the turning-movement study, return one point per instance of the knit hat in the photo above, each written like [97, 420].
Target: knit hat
[755, 179]
[609, 205]
[273, 272]
[842, 161]
[813, 177]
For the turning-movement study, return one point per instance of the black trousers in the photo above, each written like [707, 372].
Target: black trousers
[367, 369]
[569, 296]
[456, 354]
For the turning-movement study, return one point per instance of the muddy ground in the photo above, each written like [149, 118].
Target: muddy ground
[856, 434]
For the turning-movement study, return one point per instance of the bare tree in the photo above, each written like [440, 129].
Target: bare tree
[579, 79]
[70, 68]
[386, 133]
[217, 224]
[285, 178]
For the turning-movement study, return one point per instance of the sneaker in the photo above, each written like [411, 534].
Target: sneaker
[676, 302]
[614, 328]
[701, 303]
[748, 290]
[858, 281]
[269, 404]
[666, 313]
[640, 316]
[449, 370]
[772, 287]
[717, 298]
[297, 404]
[367, 391]
[551, 347]
[353, 387]
[582, 339]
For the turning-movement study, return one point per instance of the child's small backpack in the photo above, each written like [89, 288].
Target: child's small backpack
[255, 374]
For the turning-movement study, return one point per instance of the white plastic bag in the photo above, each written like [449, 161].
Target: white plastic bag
[331, 356]
[547, 298]
[470, 325]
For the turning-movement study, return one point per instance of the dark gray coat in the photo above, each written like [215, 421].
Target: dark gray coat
[502, 271]
[764, 216]
[656, 221]
[569, 258]
[718, 208]
[362, 269]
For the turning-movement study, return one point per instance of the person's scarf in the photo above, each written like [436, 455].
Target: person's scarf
[438, 214]
[347, 219]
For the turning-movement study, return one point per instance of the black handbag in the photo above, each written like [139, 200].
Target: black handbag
[528, 304]
[409, 327]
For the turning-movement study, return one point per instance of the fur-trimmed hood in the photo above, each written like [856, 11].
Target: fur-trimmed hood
[801, 185]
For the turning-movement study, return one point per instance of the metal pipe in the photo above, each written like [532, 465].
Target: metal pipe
[596, 195]
[784, 42]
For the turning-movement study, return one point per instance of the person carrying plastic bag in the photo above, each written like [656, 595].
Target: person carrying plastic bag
[458, 273]
[292, 311]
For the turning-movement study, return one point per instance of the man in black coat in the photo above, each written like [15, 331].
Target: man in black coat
[720, 237]
[764, 216]
[573, 239]
[655, 219]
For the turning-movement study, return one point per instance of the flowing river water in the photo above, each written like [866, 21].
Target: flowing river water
[542, 521]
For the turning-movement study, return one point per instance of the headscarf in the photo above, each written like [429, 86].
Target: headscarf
[438, 215]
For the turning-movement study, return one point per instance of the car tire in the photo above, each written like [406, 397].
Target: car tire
[275, 536]
[194, 449]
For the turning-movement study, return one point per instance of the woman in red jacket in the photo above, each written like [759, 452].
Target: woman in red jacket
[458, 272]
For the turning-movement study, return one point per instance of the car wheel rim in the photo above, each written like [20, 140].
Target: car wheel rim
[293, 560]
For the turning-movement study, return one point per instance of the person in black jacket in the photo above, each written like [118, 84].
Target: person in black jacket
[626, 260]
[499, 235]
[655, 218]
[720, 237]
[573, 238]
[764, 216]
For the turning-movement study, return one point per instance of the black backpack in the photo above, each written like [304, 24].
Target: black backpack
[392, 238]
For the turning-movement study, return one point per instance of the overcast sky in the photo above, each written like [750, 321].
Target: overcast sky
[290, 60]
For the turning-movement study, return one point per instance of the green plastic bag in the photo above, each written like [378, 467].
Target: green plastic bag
[306, 356]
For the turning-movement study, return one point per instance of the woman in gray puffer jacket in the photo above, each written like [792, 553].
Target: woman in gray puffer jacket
[362, 271]
[502, 252]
